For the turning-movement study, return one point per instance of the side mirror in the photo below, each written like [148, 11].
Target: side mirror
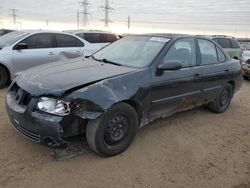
[21, 46]
[170, 65]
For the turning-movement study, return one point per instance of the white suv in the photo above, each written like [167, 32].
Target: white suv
[21, 50]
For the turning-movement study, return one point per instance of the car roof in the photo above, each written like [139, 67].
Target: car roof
[169, 35]
[165, 35]
[221, 36]
[87, 31]
[41, 31]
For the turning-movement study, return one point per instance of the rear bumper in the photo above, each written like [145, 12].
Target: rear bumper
[37, 126]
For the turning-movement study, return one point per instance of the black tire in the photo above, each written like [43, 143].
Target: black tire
[102, 136]
[222, 102]
[245, 77]
[3, 77]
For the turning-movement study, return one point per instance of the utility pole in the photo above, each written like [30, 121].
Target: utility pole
[78, 19]
[85, 5]
[47, 24]
[107, 9]
[129, 22]
[13, 13]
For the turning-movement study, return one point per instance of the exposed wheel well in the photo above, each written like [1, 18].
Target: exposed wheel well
[7, 70]
[137, 108]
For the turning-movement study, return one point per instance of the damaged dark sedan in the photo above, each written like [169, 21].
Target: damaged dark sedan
[128, 84]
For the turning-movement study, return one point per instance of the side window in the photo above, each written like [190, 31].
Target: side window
[235, 44]
[216, 40]
[108, 38]
[43, 40]
[67, 41]
[92, 37]
[208, 52]
[182, 50]
[221, 56]
[81, 35]
[224, 43]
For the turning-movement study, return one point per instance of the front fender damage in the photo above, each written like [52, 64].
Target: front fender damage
[92, 101]
[87, 109]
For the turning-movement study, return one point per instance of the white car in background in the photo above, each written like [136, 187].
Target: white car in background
[98, 39]
[246, 51]
[21, 50]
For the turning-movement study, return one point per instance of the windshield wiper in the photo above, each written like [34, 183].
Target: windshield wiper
[110, 62]
[106, 61]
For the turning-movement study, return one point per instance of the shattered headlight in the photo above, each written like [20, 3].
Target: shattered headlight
[53, 106]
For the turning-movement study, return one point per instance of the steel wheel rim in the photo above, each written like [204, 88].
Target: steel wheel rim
[116, 130]
[224, 97]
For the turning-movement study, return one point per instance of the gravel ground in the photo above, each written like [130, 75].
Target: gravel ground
[192, 149]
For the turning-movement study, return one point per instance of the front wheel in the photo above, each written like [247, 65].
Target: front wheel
[114, 131]
[222, 102]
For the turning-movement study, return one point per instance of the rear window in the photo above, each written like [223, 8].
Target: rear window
[235, 44]
[108, 38]
[92, 37]
[224, 43]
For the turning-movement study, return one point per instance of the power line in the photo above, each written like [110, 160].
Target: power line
[85, 6]
[107, 9]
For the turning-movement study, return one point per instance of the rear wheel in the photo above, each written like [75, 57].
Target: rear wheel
[3, 77]
[114, 131]
[222, 102]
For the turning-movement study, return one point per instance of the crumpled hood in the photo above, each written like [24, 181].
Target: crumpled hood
[56, 78]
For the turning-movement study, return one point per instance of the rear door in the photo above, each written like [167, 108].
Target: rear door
[236, 50]
[40, 51]
[214, 69]
[68, 47]
[177, 90]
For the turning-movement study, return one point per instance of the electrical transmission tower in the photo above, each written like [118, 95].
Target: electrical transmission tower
[14, 16]
[107, 9]
[78, 19]
[85, 11]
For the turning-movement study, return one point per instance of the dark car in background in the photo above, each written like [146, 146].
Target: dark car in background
[110, 95]
[5, 31]
[96, 38]
[230, 45]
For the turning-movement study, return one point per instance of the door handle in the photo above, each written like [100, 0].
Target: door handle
[197, 75]
[227, 70]
[51, 53]
[79, 52]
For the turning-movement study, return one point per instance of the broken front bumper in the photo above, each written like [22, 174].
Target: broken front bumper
[37, 126]
[246, 70]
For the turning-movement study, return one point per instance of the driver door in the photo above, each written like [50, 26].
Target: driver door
[39, 51]
[176, 90]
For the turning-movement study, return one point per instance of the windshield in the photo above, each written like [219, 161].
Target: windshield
[134, 51]
[11, 38]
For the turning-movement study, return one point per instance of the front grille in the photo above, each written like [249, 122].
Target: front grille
[22, 97]
[32, 136]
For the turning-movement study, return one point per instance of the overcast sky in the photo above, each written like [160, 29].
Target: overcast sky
[232, 16]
